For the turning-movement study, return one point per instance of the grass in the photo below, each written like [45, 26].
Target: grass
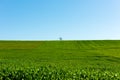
[93, 59]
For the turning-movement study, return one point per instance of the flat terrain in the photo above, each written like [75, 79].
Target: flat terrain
[72, 55]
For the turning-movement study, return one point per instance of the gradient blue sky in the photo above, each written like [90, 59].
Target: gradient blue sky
[51, 19]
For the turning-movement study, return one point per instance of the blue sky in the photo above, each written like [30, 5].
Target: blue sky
[51, 19]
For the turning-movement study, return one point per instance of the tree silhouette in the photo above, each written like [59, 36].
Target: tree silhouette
[60, 38]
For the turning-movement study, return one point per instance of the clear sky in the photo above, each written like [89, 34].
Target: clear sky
[51, 19]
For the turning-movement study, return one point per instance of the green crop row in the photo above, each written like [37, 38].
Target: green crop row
[55, 73]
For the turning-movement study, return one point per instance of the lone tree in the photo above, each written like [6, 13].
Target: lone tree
[60, 38]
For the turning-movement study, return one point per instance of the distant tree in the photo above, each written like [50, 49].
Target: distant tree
[60, 38]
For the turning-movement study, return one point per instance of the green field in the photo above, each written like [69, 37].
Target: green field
[60, 60]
